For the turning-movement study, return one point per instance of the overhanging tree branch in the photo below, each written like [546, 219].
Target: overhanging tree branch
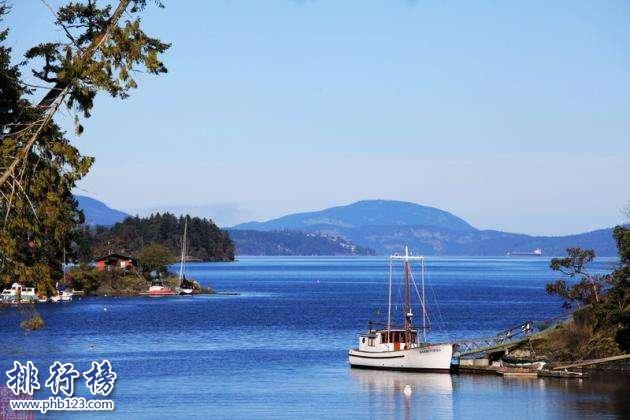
[57, 94]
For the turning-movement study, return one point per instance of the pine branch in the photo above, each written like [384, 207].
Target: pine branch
[56, 95]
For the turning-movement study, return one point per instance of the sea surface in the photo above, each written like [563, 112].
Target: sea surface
[278, 349]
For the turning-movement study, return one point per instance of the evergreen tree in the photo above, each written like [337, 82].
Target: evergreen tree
[38, 214]
[206, 241]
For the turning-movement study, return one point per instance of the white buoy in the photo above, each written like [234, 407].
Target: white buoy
[407, 390]
[105, 309]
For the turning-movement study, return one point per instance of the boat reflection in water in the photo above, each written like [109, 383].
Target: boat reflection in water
[407, 394]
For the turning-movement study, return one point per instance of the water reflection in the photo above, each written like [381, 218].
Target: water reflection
[409, 395]
[601, 394]
[436, 395]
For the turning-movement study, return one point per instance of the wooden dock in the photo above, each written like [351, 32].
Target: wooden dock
[545, 373]
[509, 372]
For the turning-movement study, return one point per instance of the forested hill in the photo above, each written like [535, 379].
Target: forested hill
[388, 226]
[288, 242]
[206, 241]
[113, 230]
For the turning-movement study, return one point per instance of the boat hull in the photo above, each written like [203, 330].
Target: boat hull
[435, 357]
[159, 294]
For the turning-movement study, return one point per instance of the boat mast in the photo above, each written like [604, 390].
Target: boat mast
[424, 308]
[408, 313]
[389, 304]
[181, 263]
[407, 306]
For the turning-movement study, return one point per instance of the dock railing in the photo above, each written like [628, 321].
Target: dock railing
[506, 338]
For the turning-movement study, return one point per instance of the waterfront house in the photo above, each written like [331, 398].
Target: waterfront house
[115, 262]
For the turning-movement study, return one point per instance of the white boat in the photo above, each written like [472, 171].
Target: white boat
[66, 296]
[157, 289]
[19, 294]
[400, 347]
[185, 286]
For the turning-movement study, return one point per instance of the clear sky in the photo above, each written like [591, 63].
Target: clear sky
[513, 116]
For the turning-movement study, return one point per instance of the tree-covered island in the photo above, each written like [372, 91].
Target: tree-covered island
[151, 244]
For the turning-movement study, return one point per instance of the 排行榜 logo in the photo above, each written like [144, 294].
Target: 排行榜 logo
[23, 380]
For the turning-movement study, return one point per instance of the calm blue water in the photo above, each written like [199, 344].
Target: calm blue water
[278, 349]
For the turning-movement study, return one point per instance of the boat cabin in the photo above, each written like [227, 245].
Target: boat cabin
[384, 340]
[18, 293]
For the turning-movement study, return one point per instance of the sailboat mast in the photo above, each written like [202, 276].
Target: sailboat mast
[389, 304]
[424, 307]
[181, 263]
[407, 305]
[406, 259]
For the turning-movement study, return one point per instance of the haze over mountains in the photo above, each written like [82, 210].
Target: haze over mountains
[384, 226]
[247, 242]
[97, 213]
[387, 226]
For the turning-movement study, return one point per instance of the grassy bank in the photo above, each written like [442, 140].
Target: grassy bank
[599, 326]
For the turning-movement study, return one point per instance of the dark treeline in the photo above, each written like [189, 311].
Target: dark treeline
[205, 242]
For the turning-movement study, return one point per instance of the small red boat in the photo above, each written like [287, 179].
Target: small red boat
[158, 289]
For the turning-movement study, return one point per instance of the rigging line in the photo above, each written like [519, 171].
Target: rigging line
[389, 304]
[422, 302]
[399, 290]
[439, 311]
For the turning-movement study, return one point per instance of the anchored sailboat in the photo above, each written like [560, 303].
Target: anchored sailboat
[398, 347]
[185, 286]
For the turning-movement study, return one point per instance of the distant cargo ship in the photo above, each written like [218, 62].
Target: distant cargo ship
[535, 253]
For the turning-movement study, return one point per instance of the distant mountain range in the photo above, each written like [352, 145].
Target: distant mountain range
[97, 213]
[365, 213]
[387, 226]
[383, 226]
[291, 242]
[247, 242]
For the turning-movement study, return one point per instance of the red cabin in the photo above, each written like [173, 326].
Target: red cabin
[115, 262]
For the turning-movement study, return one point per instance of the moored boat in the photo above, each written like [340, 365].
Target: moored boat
[158, 289]
[19, 294]
[66, 296]
[402, 347]
[185, 286]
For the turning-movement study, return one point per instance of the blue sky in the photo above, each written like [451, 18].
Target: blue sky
[512, 116]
